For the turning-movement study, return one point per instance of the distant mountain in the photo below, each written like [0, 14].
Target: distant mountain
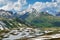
[24, 16]
[45, 14]
[35, 14]
[43, 19]
[6, 14]
[58, 14]
[9, 20]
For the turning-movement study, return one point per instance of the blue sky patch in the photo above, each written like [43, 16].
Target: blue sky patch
[33, 1]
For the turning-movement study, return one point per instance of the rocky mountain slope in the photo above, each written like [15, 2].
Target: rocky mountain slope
[28, 18]
[9, 20]
[28, 25]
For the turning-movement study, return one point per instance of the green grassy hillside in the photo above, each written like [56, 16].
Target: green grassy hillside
[44, 20]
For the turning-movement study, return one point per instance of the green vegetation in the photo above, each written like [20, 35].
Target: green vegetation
[13, 23]
[44, 20]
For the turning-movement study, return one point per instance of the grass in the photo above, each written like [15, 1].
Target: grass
[51, 28]
[55, 39]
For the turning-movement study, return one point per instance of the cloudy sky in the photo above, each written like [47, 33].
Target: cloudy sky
[51, 6]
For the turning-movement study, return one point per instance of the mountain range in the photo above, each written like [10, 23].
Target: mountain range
[9, 19]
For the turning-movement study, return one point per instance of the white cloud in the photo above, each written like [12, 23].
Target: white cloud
[39, 6]
[9, 5]
[58, 0]
[18, 5]
[46, 6]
